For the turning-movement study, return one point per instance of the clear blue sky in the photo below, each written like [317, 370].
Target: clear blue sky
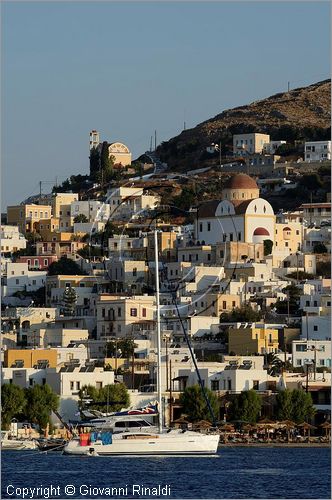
[128, 69]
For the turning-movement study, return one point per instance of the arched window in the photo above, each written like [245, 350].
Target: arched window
[255, 209]
[264, 209]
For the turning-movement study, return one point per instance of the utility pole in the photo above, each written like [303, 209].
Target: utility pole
[40, 190]
[166, 363]
[133, 371]
[297, 268]
[170, 392]
[288, 86]
[307, 378]
[116, 357]
[151, 144]
[288, 315]
[155, 140]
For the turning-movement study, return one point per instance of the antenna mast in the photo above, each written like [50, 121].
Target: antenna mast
[160, 409]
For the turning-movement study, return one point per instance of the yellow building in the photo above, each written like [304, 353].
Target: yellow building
[61, 204]
[244, 144]
[218, 303]
[288, 237]
[120, 152]
[59, 244]
[27, 217]
[120, 315]
[30, 358]
[47, 227]
[238, 251]
[166, 245]
[251, 340]
[61, 208]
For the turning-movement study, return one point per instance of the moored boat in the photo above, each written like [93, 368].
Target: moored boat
[168, 442]
[9, 442]
[51, 444]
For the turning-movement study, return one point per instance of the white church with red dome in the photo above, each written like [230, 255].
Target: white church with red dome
[240, 215]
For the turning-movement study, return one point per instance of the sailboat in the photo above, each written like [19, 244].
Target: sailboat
[162, 441]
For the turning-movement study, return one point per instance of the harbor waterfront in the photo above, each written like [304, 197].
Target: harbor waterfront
[235, 472]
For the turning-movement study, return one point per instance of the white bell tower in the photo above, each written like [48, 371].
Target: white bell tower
[94, 139]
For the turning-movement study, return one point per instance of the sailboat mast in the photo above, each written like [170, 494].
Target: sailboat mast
[160, 409]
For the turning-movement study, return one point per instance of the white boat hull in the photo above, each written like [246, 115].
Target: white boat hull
[167, 443]
[17, 444]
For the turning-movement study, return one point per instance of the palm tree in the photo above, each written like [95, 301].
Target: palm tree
[273, 364]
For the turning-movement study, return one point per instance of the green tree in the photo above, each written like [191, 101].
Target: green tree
[69, 300]
[274, 364]
[138, 168]
[106, 163]
[64, 266]
[112, 397]
[194, 404]
[87, 392]
[125, 348]
[292, 303]
[185, 200]
[89, 251]
[81, 218]
[268, 245]
[323, 269]
[94, 163]
[294, 405]
[41, 401]
[284, 405]
[311, 182]
[303, 408]
[287, 150]
[301, 275]
[12, 402]
[319, 248]
[243, 313]
[102, 236]
[246, 406]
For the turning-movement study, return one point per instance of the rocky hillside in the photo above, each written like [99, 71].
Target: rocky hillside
[301, 114]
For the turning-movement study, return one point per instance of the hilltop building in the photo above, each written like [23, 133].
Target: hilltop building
[317, 151]
[244, 144]
[120, 152]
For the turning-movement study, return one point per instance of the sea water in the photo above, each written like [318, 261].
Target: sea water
[236, 472]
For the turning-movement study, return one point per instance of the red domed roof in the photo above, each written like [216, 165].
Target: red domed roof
[240, 181]
[261, 231]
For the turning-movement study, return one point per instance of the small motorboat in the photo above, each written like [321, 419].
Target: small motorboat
[9, 442]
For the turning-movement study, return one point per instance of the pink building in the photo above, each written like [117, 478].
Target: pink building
[40, 262]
